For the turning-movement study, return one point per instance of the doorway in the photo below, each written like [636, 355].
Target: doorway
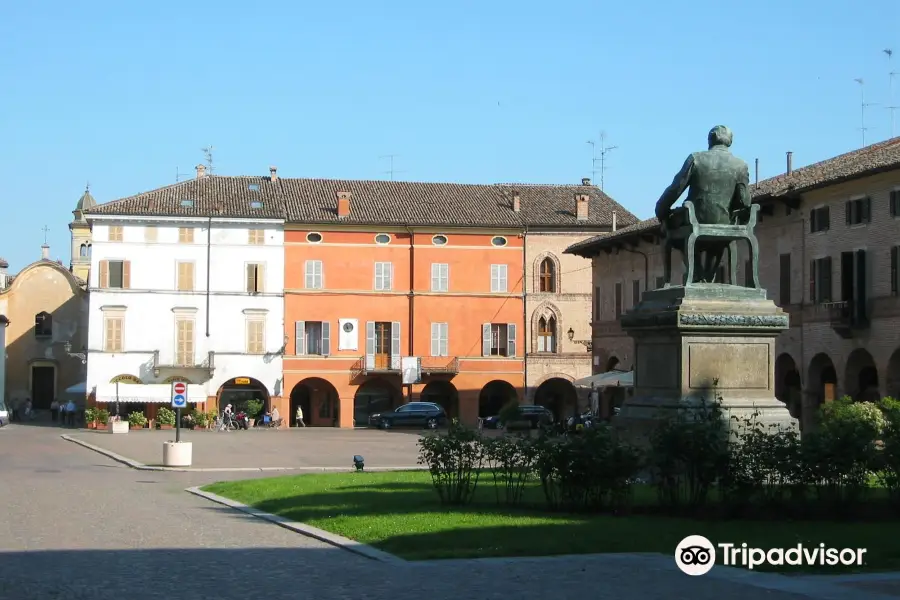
[382, 345]
[43, 386]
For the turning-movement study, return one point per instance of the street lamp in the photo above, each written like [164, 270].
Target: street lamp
[588, 344]
[81, 355]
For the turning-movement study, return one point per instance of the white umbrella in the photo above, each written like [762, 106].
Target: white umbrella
[608, 379]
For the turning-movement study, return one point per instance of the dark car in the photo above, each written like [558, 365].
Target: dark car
[531, 415]
[414, 414]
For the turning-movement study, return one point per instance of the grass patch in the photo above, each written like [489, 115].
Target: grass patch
[399, 513]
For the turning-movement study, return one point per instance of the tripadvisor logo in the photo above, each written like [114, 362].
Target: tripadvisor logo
[696, 555]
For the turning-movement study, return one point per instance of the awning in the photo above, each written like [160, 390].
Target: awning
[608, 379]
[150, 393]
[78, 388]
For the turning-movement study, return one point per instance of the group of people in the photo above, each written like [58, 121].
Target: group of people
[242, 421]
[63, 412]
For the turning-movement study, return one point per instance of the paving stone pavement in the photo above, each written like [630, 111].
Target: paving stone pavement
[77, 525]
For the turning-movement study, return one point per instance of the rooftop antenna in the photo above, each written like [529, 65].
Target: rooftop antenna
[179, 176]
[891, 75]
[390, 172]
[604, 150]
[46, 230]
[209, 158]
[862, 105]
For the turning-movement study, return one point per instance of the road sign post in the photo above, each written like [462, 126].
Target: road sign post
[179, 401]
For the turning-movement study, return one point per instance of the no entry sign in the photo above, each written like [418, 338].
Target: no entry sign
[180, 387]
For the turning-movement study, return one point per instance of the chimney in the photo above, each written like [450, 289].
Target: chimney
[517, 202]
[201, 171]
[581, 207]
[790, 163]
[45, 251]
[273, 173]
[585, 181]
[614, 222]
[343, 203]
[757, 171]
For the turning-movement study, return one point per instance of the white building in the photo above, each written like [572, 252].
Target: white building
[170, 302]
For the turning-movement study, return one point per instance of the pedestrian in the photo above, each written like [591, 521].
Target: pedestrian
[299, 415]
[70, 413]
[61, 413]
[54, 410]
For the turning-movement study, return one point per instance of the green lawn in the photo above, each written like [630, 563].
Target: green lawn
[399, 512]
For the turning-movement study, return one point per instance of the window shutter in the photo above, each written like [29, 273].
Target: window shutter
[299, 337]
[319, 278]
[445, 339]
[445, 277]
[848, 212]
[309, 274]
[435, 337]
[389, 276]
[895, 203]
[825, 276]
[826, 211]
[103, 278]
[510, 339]
[435, 283]
[260, 278]
[895, 267]
[813, 299]
[190, 275]
[377, 276]
[126, 274]
[867, 210]
[251, 278]
[486, 339]
[108, 338]
[502, 277]
[395, 345]
[326, 338]
[494, 278]
[370, 345]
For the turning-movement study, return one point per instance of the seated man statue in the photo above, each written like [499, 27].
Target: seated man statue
[719, 189]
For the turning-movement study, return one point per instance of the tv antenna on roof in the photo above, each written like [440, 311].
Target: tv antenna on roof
[863, 105]
[391, 171]
[604, 150]
[179, 176]
[891, 74]
[207, 152]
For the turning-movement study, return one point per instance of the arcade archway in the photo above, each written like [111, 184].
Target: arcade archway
[319, 401]
[239, 391]
[821, 380]
[861, 377]
[893, 375]
[558, 395]
[787, 385]
[444, 393]
[374, 396]
[494, 396]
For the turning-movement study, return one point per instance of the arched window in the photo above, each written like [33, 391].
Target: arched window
[89, 246]
[84, 251]
[43, 325]
[547, 335]
[548, 283]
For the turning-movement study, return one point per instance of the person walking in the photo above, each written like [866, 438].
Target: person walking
[71, 409]
[54, 410]
[299, 416]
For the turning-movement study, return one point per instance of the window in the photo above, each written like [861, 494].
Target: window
[383, 345]
[313, 275]
[819, 219]
[85, 250]
[895, 270]
[498, 241]
[256, 237]
[184, 342]
[618, 300]
[854, 284]
[660, 282]
[439, 335]
[256, 204]
[43, 325]
[384, 275]
[546, 335]
[635, 292]
[895, 203]
[498, 339]
[150, 233]
[498, 278]
[255, 336]
[187, 203]
[784, 279]
[253, 187]
[313, 237]
[598, 300]
[113, 334]
[858, 211]
[820, 280]
[186, 235]
[547, 283]
[255, 278]
[439, 240]
[440, 277]
[382, 238]
[115, 274]
[185, 281]
[115, 233]
[312, 338]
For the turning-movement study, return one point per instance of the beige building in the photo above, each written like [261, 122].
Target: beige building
[829, 238]
[558, 299]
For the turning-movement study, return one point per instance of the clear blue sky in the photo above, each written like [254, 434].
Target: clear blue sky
[122, 93]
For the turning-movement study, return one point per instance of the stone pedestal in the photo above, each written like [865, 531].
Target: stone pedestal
[177, 454]
[702, 342]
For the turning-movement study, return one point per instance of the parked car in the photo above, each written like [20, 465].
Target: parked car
[531, 415]
[4, 414]
[413, 414]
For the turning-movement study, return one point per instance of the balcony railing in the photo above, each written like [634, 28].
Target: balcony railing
[439, 365]
[378, 363]
[207, 364]
[845, 316]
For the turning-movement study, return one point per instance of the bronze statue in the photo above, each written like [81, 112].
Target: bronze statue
[719, 191]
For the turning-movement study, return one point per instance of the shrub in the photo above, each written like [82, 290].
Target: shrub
[888, 460]
[137, 419]
[90, 415]
[253, 408]
[688, 453]
[201, 418]
[165, 415]
[454, 461]
[103, 416]
[512, 460]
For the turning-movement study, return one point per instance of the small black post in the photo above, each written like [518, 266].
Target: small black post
[177, 424]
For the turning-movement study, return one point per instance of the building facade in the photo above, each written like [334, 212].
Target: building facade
[829, 235]
[187, 288]
[80, 234]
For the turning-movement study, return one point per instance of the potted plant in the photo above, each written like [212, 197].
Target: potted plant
[136, 420]
[90, 417]
[102, 417]
[201, 419]
[165, 416]
[253, 408]
[211, 416]
[188, 421]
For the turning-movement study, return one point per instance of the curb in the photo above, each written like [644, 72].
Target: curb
[303, 529]
[142, 467]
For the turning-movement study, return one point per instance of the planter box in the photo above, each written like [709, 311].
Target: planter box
[135, 427]
[166, 426]
[117, 427]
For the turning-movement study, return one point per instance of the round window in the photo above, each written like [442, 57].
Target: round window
[499, 241]
[313, 238]
[439, 240]
[382, 238]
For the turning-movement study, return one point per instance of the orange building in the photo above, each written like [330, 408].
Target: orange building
[382, 276]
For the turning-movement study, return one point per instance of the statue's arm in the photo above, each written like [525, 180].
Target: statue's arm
[675, 189]
[742, 193]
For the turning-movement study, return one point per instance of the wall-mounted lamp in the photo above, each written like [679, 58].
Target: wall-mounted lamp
[586, 343]
[81, 355]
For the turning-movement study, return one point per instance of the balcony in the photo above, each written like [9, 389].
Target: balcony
[846, 317]
[439, 365]
[374, 364]
[207, 366]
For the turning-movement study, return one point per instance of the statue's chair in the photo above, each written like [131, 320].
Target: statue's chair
[687, 234]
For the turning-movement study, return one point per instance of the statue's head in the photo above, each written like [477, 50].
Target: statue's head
[720, 136]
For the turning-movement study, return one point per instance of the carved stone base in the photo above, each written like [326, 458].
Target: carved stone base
[702, 342]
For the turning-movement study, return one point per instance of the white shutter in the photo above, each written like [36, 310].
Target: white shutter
[395, 345]
[326, 338]
[377, 276]
[370, 345]
[300, 337]
[435, 287]
[435, 335]
[495, 278]
[389, 276]
[510, 339]
[445, 278]
[501, 278]
[309, 274]
[445, 339]
[486, 339]
[318, 279]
